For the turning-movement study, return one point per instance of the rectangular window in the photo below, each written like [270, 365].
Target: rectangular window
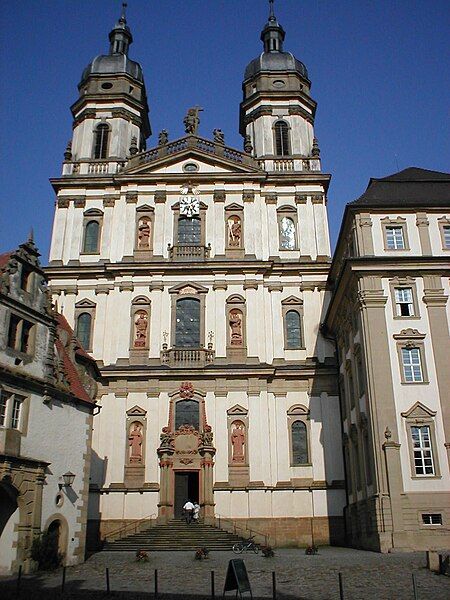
[412, 368]
[13, 331]
[4, 397]
[446, 236]
[394, 238]
[422, 451]
[404, 306]
[25, 336]
[431, 518]
[16, 411]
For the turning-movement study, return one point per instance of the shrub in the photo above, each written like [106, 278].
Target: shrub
[267, 551]
[45, 552]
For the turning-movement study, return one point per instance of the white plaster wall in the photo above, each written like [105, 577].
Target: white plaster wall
[407, 394]
[58, 434]
[8, 538]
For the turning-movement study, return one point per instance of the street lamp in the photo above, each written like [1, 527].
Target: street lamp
[68, 480]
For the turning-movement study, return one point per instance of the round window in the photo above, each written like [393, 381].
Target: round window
[59, 500]
[279, 83]
[107, 85]
[190, 167]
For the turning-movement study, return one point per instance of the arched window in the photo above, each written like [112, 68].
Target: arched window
[293, 329]
[91, 235]
[187, 328]
[281, 138]
[287, 234]
[84, 322]
[187, 413]
[299, 440]
[101, 137]
[189, 231]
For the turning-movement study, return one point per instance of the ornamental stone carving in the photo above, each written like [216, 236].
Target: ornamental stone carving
[235, 319]
[186, 390]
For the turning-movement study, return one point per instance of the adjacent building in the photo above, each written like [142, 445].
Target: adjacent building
[390, 317]
[47, 400]
[196, 275]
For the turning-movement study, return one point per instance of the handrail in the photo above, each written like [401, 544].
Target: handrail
[125, 528]
[221, 518]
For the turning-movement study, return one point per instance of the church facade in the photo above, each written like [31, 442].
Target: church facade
[196, 275]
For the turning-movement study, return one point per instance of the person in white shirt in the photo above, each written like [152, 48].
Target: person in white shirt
[196, 514]
[188, 511]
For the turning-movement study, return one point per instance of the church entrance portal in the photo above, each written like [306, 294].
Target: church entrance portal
[186, 487]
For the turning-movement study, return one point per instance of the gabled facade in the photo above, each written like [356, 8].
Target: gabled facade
[47, 399]
[389, 314]
[197, 274]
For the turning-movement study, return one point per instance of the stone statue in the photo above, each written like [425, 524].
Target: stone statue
[238, 442]
[206, 437]
[135, 442]
[234, 232]
[144, 233]
[192, 121]
[166, 438]
[133, 149]
[236, 327]
[248, 146]
[163, 137]
[219, 136]
[141, 326]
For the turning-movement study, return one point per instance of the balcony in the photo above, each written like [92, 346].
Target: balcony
[92, 167]
[289, 164]
[187, 358]
[189, 253]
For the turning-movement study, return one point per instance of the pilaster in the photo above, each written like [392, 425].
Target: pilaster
[424, 234]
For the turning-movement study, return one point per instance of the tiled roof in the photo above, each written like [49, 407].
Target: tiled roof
[410, 187]
[70, 370]
[4, 258]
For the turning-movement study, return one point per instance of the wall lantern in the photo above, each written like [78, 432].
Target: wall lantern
[68, 480]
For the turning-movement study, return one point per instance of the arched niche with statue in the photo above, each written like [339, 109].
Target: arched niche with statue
[136, 429]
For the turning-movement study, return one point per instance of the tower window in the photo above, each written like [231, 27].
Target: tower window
[84, 323]
[293, 330]
[282, 138]
[101, 138]
[91, 235]
[299, 442]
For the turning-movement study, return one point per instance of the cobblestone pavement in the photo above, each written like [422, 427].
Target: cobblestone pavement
[366, 575]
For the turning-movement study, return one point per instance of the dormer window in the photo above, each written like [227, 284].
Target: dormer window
[101, 138]
[282, 138]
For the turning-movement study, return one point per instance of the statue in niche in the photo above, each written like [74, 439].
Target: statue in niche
[234, 232]
[236, 337]
[238, 442]
[140, 326]
[144, 233]
[135, 439]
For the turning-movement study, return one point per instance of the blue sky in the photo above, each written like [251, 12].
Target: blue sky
[379, 73]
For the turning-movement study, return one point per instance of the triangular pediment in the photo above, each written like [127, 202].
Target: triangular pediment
[291, 301]
[237, 409]
[85, 303]
[188, 288]
[419, 411]
[190, 156]
[136, 411]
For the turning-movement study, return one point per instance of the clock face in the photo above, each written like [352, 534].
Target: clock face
[189, 206]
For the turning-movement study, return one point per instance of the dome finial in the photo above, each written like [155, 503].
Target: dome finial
[120, 37]
[271, 11]
[123, 16]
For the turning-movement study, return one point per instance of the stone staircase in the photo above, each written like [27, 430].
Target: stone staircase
[176, 535]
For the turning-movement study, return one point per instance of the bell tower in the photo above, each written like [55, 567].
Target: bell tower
[111, 114]
[277, 111]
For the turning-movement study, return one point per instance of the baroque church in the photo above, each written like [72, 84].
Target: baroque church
[195, 274]
[297, 397]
